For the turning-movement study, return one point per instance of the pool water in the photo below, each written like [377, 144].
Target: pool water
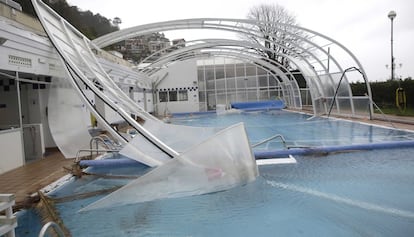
[299, 129]
[364, 193]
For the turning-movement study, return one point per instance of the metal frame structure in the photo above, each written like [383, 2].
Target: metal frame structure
[235, 49]
[85, 71]
[310, 61]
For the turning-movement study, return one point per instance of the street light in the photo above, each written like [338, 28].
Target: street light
[392, 15]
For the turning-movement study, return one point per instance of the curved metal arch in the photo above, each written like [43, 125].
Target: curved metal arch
[211, 43]
[271, 69]
[201, 24]
[195, 24]
[186, 53]
[215, 23]
[225, 42]
[265, 65]
[313, 45]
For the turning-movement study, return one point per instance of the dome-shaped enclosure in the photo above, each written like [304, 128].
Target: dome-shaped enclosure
[326, 66]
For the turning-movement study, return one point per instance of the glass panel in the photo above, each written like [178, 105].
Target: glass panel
[163, 96]
[231, 96]
[250, 70]
[211, 85]
[241, 83]
[200, 74]
[219, 72]
[221, 97]
[211, 100]
[240, 70]
[220, 84]
[273, 81]
[241, 96]
[173, 95]
[274, 94]
[201, 85]
[183, 95]
[202, 96]
[263, 82]
[209, 72]
[230, 70]
[252, 82]
[231, 83]
[263, 94]
[261, 71]
[252, 95]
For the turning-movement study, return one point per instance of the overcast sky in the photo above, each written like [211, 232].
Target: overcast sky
[360, 25]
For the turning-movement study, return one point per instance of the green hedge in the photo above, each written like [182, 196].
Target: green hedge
[383, 93]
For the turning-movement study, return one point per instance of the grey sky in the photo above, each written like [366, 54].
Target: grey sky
[361, 26]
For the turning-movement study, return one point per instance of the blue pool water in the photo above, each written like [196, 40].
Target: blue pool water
[365, 193]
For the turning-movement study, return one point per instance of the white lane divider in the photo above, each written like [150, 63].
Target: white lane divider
[347, 201]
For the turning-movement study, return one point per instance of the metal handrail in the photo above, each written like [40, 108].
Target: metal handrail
[271, 138]
[77, 159]
[55, 226]
[105, 140]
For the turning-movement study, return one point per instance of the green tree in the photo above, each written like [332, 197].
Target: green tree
[91, 25]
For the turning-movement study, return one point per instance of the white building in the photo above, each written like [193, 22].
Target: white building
[29, 67]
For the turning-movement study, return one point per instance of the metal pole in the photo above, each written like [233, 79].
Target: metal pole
[392, 51]
[392, 15]
[329, 57]
[19, 102]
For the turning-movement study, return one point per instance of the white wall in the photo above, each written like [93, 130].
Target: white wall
[149, 102]
[138, 97]
[11, 150]
[180, 75]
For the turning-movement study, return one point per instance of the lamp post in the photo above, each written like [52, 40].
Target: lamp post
[392, 15]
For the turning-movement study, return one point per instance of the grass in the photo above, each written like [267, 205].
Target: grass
[409, 112]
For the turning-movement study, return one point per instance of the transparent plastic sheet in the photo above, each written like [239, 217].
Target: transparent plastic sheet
[222, 162]
[178, 137]
[68, 118]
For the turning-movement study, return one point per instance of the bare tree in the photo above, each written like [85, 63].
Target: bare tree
[274, 33]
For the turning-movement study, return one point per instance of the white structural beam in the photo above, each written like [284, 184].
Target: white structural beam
[308, 45]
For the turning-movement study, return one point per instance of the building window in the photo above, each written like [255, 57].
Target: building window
[173, 95]
[163, 96]
[182, 95]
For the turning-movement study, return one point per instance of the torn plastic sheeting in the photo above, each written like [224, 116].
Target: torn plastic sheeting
[222, 162]
[140, 149]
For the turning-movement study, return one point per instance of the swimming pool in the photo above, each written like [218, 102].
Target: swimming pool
[364, 193]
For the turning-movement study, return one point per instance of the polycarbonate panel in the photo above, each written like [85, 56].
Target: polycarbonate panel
[362, 106]
[188, 136]
[69, 120]
[222, 162]
[83, 68]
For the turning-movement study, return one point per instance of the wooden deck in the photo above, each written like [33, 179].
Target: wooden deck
[28, 179]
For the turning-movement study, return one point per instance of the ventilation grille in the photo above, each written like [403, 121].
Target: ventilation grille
[19, 61]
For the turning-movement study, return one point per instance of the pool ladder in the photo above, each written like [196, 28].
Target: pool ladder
[104, 140]
[55, 226]
[109, 146]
